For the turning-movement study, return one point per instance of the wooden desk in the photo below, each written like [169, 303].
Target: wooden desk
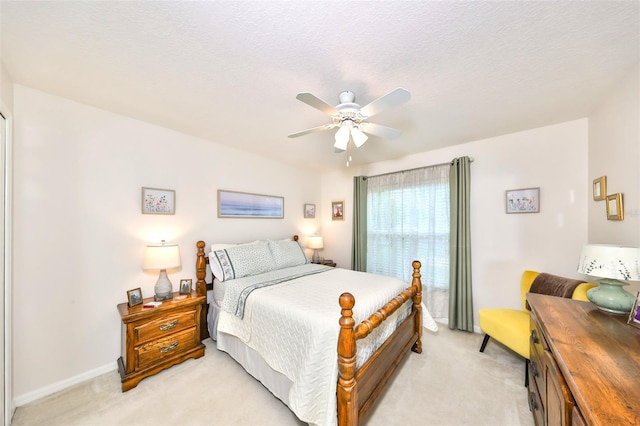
[596, 360]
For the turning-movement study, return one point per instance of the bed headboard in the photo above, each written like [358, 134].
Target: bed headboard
[202, 260]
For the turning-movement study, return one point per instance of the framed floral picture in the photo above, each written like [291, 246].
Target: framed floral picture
[526, 200]
[158, 201]
[309, 211]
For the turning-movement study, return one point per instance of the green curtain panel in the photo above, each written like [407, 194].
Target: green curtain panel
[460, 289]
[359, 248]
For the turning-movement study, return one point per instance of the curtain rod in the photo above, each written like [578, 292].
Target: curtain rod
[418, 168]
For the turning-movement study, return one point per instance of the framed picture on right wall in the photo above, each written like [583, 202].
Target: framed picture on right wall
[337, 210]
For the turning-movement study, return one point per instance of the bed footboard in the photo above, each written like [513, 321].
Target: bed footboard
[357, 390]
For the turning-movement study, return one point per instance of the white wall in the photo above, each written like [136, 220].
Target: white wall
[553, 158]
[614, 152]
[80, 236]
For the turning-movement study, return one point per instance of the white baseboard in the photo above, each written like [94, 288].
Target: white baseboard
[58, 386]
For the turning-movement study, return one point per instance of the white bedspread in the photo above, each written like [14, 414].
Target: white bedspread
[312, 312]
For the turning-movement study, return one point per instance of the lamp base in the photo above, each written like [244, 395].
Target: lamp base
[163, 287]
[316, 257]
[610, 297]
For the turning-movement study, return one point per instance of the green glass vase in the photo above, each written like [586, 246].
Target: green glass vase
[609, 296]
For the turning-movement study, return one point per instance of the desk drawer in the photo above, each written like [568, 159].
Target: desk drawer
[165, 325]
[152, 352]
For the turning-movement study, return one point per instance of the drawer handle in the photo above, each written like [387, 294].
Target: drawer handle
[169, 325]
[534, 369]
[169, 348]
[532, 401]
[534, 337]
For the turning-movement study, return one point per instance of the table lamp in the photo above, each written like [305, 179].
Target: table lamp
[613, 265]
[162, 257]
[315, 242]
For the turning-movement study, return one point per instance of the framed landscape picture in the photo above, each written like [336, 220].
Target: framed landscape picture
[246, 205]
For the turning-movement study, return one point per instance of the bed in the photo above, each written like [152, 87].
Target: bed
[277, 315]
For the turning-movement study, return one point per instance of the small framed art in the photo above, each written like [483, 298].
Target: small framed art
[185, 286]
[134, 296]
[158, 201]
[615, 209]
[526, 200]
[309, 211]
[634, 315]
[600, 188]
[337, 210]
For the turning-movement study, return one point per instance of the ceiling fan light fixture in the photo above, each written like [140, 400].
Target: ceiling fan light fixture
[342, 136]
[359, 138]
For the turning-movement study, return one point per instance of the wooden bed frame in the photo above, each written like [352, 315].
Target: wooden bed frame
[358, 389]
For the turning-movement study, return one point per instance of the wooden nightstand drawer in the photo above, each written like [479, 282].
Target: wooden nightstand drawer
[157, 338]
[168, 324]
[169, 346]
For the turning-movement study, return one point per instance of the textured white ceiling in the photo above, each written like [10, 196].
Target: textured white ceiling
[230, 71]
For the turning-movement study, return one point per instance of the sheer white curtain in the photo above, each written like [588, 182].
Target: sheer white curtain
[408, 219]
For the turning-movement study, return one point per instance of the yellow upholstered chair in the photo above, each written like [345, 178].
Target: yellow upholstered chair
[511, 326]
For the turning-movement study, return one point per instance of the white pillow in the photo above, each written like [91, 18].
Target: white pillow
[244, 260]
[216, 269]
[287, 253]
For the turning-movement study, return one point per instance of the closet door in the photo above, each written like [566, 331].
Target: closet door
[5, 409]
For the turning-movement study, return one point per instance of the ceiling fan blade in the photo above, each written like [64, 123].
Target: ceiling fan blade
[312, 130]
[378, 130]
[391, 99]
[317, 103]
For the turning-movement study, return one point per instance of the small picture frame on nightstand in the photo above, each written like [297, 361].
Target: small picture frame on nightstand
[185, 286]
[634, 315]
[134, 297]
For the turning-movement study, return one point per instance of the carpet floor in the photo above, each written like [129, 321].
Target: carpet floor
[451, 383]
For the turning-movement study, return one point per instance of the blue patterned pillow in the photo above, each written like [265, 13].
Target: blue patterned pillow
[244, 260]
[287, 253]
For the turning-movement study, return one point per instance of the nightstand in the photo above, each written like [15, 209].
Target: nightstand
[157, 338]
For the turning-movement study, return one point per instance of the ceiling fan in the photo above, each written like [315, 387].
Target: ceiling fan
[352, 119]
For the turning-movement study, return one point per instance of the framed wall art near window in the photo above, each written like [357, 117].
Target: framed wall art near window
[233, 204]
[158, 201]
[600, 188]
[134, 297]
[337, 210]
[526, 200]
[615, 209]
[309, 211]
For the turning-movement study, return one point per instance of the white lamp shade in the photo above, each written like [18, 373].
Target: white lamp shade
[342, 137]
[610, 261]
[314, 242]
[161, 257]
[359, 138]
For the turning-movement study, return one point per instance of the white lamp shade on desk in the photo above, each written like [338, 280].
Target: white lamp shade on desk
[162, 257]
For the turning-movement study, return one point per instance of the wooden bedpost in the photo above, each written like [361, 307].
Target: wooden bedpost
[417, 305]
[201, 286]
[346, 391]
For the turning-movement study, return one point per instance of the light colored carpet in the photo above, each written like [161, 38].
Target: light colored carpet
[450, 383]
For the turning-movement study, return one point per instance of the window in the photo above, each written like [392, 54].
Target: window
[408, 219]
